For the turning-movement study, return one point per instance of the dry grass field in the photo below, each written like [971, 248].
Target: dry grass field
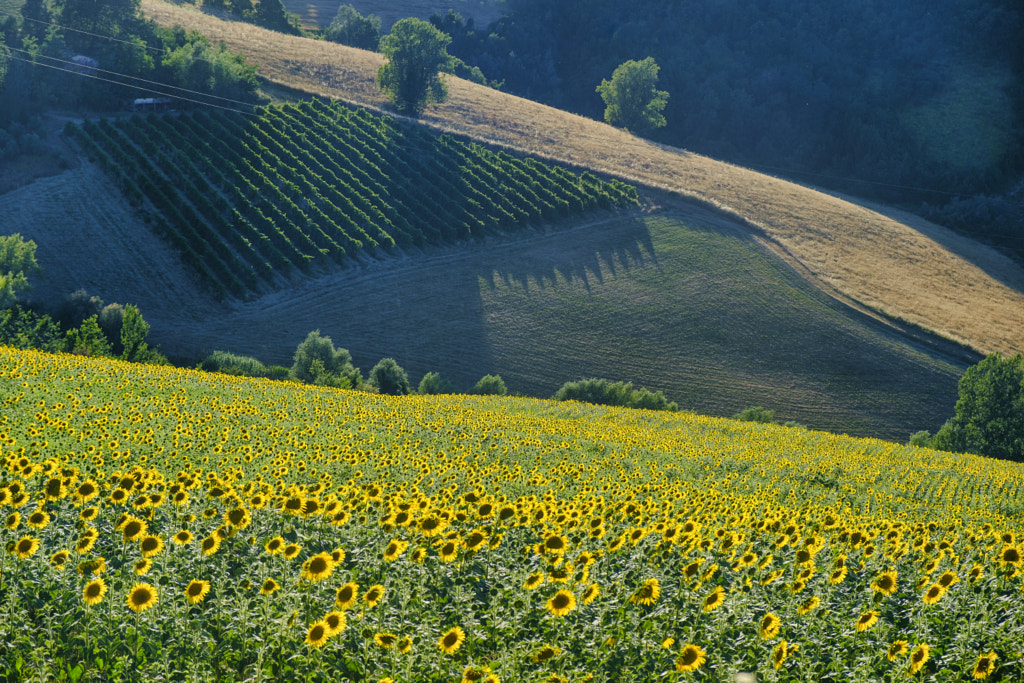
[889, 261]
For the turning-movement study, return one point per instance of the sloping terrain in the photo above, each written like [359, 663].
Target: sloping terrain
[904, 267]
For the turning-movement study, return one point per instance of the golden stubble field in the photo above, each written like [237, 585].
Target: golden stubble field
[887, 260]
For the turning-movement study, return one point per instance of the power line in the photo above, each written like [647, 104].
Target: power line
[78, 67]
[136, 87]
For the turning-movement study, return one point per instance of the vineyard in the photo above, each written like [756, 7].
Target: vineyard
[164, 524]
[247, 198]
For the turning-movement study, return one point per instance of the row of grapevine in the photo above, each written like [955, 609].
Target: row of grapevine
[247, 198]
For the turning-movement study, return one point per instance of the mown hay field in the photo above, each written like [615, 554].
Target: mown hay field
[166, 524]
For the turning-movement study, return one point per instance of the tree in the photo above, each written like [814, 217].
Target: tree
[318, 362]
[271, 14]
[389, 378]
[17, 262]
[352, 28]
[490, 385]
[416, 52]
[88, 339]
[433, 383]
[134, 331]
[630, 98]
[989, 414]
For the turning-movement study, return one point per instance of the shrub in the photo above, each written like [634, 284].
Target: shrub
[490, 385]
[335, 364]
[24, 328]
[389, 378]
[87, 340]
[756, 414]
[111, 319]
[76, 307]
[608, 393]
[433, 383]
[234, 364]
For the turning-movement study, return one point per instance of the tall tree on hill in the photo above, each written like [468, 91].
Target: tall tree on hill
[17, 262]
[631, 99]
[93, 21]
[270, 14]
[416, 52]
[352, 28]
[37, 18]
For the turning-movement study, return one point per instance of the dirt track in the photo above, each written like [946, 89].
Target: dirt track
[895, 263]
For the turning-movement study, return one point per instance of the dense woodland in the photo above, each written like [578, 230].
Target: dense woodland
[917, 103]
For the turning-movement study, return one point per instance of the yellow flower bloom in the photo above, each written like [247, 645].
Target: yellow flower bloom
[268, 587]
[985, 665]
[590, 594]
[346, 596]
[196, 591]
[94, 591]
[918, 658]
[769, 626]
[26, 547]
[779, 654]
[648, 593]
[714, 599]
[691, 658]
[897, 650]
[561, 603]
[934, 594]
[317, 634]
[373, 595]
[317, 568]
[885, 583]
[452, 640]
[142, 597]
[867, 620]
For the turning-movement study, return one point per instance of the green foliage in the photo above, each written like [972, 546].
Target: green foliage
[416, 52]
[196, 65]
[349, 27]
[388, 377]
[630, 98]
[17, 262]
[606, 392]
[433, 383]
[490, 385]
[921, 439]
[134, 331]
[989, 413]
[111, 319]
[234, 364]
[24, 328]
[316, 361]
[270, 14]
[756, 414]
[87, 340]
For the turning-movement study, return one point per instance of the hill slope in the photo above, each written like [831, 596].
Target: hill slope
[889, 261]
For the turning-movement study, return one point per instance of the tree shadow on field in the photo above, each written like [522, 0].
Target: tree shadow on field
[577, 257]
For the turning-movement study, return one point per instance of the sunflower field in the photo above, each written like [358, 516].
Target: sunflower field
[164, 524]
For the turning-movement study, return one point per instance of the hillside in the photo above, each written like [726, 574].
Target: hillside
[889, 261]
[192, 525]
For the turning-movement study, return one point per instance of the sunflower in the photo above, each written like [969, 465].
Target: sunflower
[395, 549]
[590, 594]
[12, 521]
[561, 603]
[885, 583]
[336, 622]
[1010, 555]
[449, 550]
[183, 537]
[291, 550]
[210, 545]
[947, 579]
[533, 580]
[472, 674]
[95, 567]
[984, 666]
[668, 643]
[385, 640]
[38, 519]
[418, 555]
[545, 653]
[452, 640]
[779, 654]
[346, 596]
[897, 650]
[934, 594]
[918, 658]
[274, 545]
[88, 514]
[318, 567]
[196, 591]
[143, 566]
[867, 620]
[838, 576]
[318, 634]
[26, 547]
[134, 529]
[268, 587]
[808, 606]
[59, 559]
[405, 645]
[555, 544]
[714, 599]
[94, 591]
[769, 626]
[648, 593]
[373, 595]
[475, 539]
[691, 658]
[977, 571]
[151, 546]
[141, 597]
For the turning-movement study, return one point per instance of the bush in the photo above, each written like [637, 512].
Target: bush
[388, 377]
[76, 307]
[352, 28]
[335, 365]
[433, 383]
[111, 320]
[234, 364]
[24, 328]
[88, 340]
[608, 393]
[756, 414]
[490, 385]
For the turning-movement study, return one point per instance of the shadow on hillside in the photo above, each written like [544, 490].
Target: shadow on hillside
[579, 256]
